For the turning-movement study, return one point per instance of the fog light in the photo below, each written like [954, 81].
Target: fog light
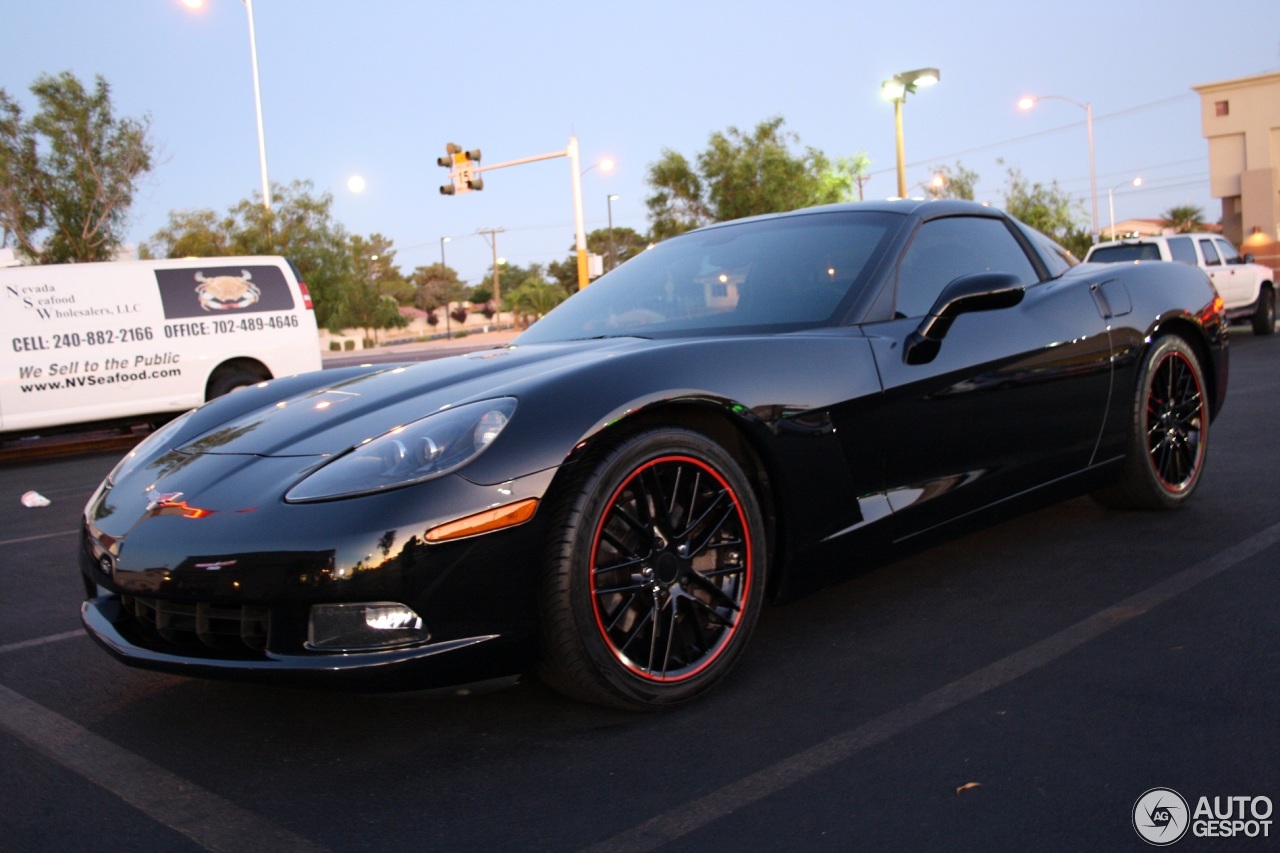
[364, 627]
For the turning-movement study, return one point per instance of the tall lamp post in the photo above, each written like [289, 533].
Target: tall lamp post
[257, 99]
[610, 199]
[1111, 201]
[1029, 102]
[448, 329]
[896, 89]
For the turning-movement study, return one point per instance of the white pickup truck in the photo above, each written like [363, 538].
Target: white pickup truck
[1247, 289]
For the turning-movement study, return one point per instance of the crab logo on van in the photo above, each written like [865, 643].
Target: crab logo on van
[222, 292]
[198, 290]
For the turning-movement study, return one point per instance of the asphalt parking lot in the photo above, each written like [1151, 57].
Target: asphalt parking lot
[1018, 688]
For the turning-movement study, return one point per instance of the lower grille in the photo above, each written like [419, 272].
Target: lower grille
[210, 625]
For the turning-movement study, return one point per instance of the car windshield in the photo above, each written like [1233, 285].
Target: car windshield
[776, 274]
[1125, 252]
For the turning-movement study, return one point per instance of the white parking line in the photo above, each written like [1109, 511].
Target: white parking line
[209, 820]
[4, 542]
[686, 819]
[40, 641]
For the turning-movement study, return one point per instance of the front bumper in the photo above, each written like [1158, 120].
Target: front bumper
[227, 590]
[445, 663]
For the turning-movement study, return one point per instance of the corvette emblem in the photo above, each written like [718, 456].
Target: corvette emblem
[156, 498]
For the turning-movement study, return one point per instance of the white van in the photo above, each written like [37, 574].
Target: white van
[106, 341]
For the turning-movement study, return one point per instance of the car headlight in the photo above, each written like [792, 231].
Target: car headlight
[418, 451]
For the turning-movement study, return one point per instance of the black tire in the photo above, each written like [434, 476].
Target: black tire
[1169, 437]
[231, 380]
[1264, 317]
[655, 573]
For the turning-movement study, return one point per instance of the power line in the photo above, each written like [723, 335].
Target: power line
[1052, 130]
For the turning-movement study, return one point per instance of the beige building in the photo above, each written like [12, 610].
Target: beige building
[1241, 120]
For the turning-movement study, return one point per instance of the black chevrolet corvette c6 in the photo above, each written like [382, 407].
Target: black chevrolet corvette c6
[741, 412]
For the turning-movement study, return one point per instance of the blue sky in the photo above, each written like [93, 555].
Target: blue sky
[378, 87]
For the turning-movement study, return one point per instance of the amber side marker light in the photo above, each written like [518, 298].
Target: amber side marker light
[484, 522]
[1213, 309]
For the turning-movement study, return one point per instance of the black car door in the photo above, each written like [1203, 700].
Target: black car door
[1010, 397]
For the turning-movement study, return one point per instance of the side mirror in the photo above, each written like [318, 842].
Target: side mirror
[1248, 258]
[983, 291]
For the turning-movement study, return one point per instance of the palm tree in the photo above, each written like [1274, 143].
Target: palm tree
[1185, 218]
[534, 298]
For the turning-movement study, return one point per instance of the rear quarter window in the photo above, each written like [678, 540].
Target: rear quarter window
[1125, 253]
[1182, 250]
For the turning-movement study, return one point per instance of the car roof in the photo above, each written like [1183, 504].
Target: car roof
[925, 208]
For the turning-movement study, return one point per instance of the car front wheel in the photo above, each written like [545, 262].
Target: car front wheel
[1169, 436]
[655, 575]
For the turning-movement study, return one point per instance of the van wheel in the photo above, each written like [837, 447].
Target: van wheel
[231, 380]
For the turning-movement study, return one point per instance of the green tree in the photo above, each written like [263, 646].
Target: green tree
[68, 175]
[191, 234]
[627, 243]
[510, 276]
[1048, 209]
[362, 307]
[299, 226]
[374, 261]
[534, 298]
[956, 183]
[743, 174]
[1185, 218]
[435, 286]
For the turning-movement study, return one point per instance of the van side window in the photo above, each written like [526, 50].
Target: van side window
[1182, 250]
[1211, 258]
[945, 249]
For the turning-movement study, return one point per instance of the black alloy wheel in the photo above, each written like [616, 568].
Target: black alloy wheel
[656, 581]
[1170, 438]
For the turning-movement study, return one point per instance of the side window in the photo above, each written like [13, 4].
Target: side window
[1228, 251]
[945, 249]
[1211, 258]
[1182, 250]
[1056, 258]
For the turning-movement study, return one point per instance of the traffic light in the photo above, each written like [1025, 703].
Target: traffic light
[463, 170]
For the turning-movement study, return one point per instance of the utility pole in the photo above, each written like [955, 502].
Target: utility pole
[490, 236]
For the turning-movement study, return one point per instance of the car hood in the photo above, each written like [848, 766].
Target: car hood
[327, 419]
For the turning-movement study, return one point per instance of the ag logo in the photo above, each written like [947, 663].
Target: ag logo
[1160, 816]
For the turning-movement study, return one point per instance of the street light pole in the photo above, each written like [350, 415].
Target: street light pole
[613, 256]
[580, 233]
[448, 329]
[257, 99]
[257, 102]
[579, 225]
[900, 147]
[896, 89]
[1028, 103]
[1111, 202]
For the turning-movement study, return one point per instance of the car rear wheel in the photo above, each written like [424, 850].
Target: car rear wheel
[1170, 431]
[1264, 318]
[655, 575]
